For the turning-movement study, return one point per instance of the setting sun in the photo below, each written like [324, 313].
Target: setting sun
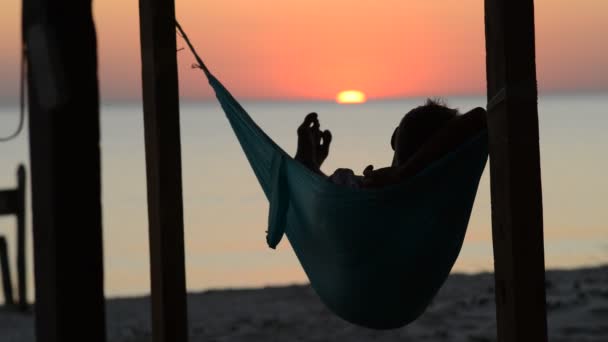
[351, 96]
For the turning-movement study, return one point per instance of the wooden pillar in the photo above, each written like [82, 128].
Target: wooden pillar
[163, 166]
[5, 273]
[65, 170]
[21, 235]
[517, 224]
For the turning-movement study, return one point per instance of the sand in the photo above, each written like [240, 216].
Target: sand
[464, 310]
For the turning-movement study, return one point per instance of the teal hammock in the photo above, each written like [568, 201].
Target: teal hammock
[375, 257]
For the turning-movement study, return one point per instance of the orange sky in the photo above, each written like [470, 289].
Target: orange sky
[312, 49]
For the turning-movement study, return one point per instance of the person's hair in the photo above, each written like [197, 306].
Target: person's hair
[418, 125]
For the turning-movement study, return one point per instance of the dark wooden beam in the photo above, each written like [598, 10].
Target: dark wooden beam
[163, 166]
[21, 236]
[5, 273]
[8, 202]
[65, 170]
[517, 220]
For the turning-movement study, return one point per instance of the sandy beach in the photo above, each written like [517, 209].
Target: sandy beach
[577, 305]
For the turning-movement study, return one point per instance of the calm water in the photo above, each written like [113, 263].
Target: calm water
[226, 213]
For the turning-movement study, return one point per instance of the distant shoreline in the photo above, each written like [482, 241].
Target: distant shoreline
[14, 102]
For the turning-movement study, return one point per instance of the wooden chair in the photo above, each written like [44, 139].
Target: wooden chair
[12, 202]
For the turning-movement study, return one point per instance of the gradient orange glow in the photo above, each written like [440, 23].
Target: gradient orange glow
[309, 49]
[351, 96]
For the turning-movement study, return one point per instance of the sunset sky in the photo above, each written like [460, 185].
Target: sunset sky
[269, 49]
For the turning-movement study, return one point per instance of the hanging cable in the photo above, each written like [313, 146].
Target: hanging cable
[21, 100]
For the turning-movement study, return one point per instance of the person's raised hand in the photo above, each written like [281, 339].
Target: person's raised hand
[323, 150]
[313, 145]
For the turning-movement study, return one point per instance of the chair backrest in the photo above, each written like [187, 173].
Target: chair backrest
[12, 202]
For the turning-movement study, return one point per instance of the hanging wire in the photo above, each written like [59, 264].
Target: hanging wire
[21, 100]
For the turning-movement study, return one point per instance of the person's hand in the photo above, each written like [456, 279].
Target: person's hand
[380, 177]
[313, 144]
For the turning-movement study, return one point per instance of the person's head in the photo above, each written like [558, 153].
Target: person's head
[417, 126]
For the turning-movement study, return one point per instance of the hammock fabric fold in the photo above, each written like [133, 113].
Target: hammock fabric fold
[375, 257]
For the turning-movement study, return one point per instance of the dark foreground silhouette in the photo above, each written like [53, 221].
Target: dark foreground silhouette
[424, 134]
[463, 311]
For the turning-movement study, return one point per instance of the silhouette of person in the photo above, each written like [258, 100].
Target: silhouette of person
[424, 134]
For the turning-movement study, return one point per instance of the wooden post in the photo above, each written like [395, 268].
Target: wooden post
[8, 202]
[163, 166]
[21, 234]
[517, 224]
[65, 170]
[5, 273]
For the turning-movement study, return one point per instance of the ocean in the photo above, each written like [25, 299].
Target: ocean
[225, 211]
